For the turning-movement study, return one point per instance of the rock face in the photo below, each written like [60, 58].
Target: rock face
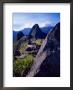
[36, 32]
[47, 61]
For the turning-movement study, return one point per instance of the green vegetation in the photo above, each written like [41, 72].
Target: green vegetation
[21, 66]
[38, 42]
[23, 48]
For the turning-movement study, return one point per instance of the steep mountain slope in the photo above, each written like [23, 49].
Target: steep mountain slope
[20, 35]
[47, 61]
[36, 32]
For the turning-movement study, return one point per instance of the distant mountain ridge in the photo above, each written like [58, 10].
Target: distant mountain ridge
[26, 31]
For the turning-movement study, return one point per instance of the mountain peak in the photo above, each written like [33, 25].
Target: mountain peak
[36, 32]
[36, 25]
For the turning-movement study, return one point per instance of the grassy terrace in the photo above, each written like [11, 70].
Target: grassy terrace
[21, 66]
[23, 48]
[37, 42]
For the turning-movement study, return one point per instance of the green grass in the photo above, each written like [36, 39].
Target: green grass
[38, 42]
[21, 65]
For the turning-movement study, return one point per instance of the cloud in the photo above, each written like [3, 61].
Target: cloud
[18, 27]
[27, 20]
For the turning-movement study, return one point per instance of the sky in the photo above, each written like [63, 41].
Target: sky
[27, 20]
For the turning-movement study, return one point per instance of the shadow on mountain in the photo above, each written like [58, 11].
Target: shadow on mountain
[42, 48]
[51, 64]
[20, 35]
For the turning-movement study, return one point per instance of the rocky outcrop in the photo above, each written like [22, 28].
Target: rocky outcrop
[47, 61]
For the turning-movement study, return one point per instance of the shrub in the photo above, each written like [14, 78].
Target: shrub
[21, 66]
